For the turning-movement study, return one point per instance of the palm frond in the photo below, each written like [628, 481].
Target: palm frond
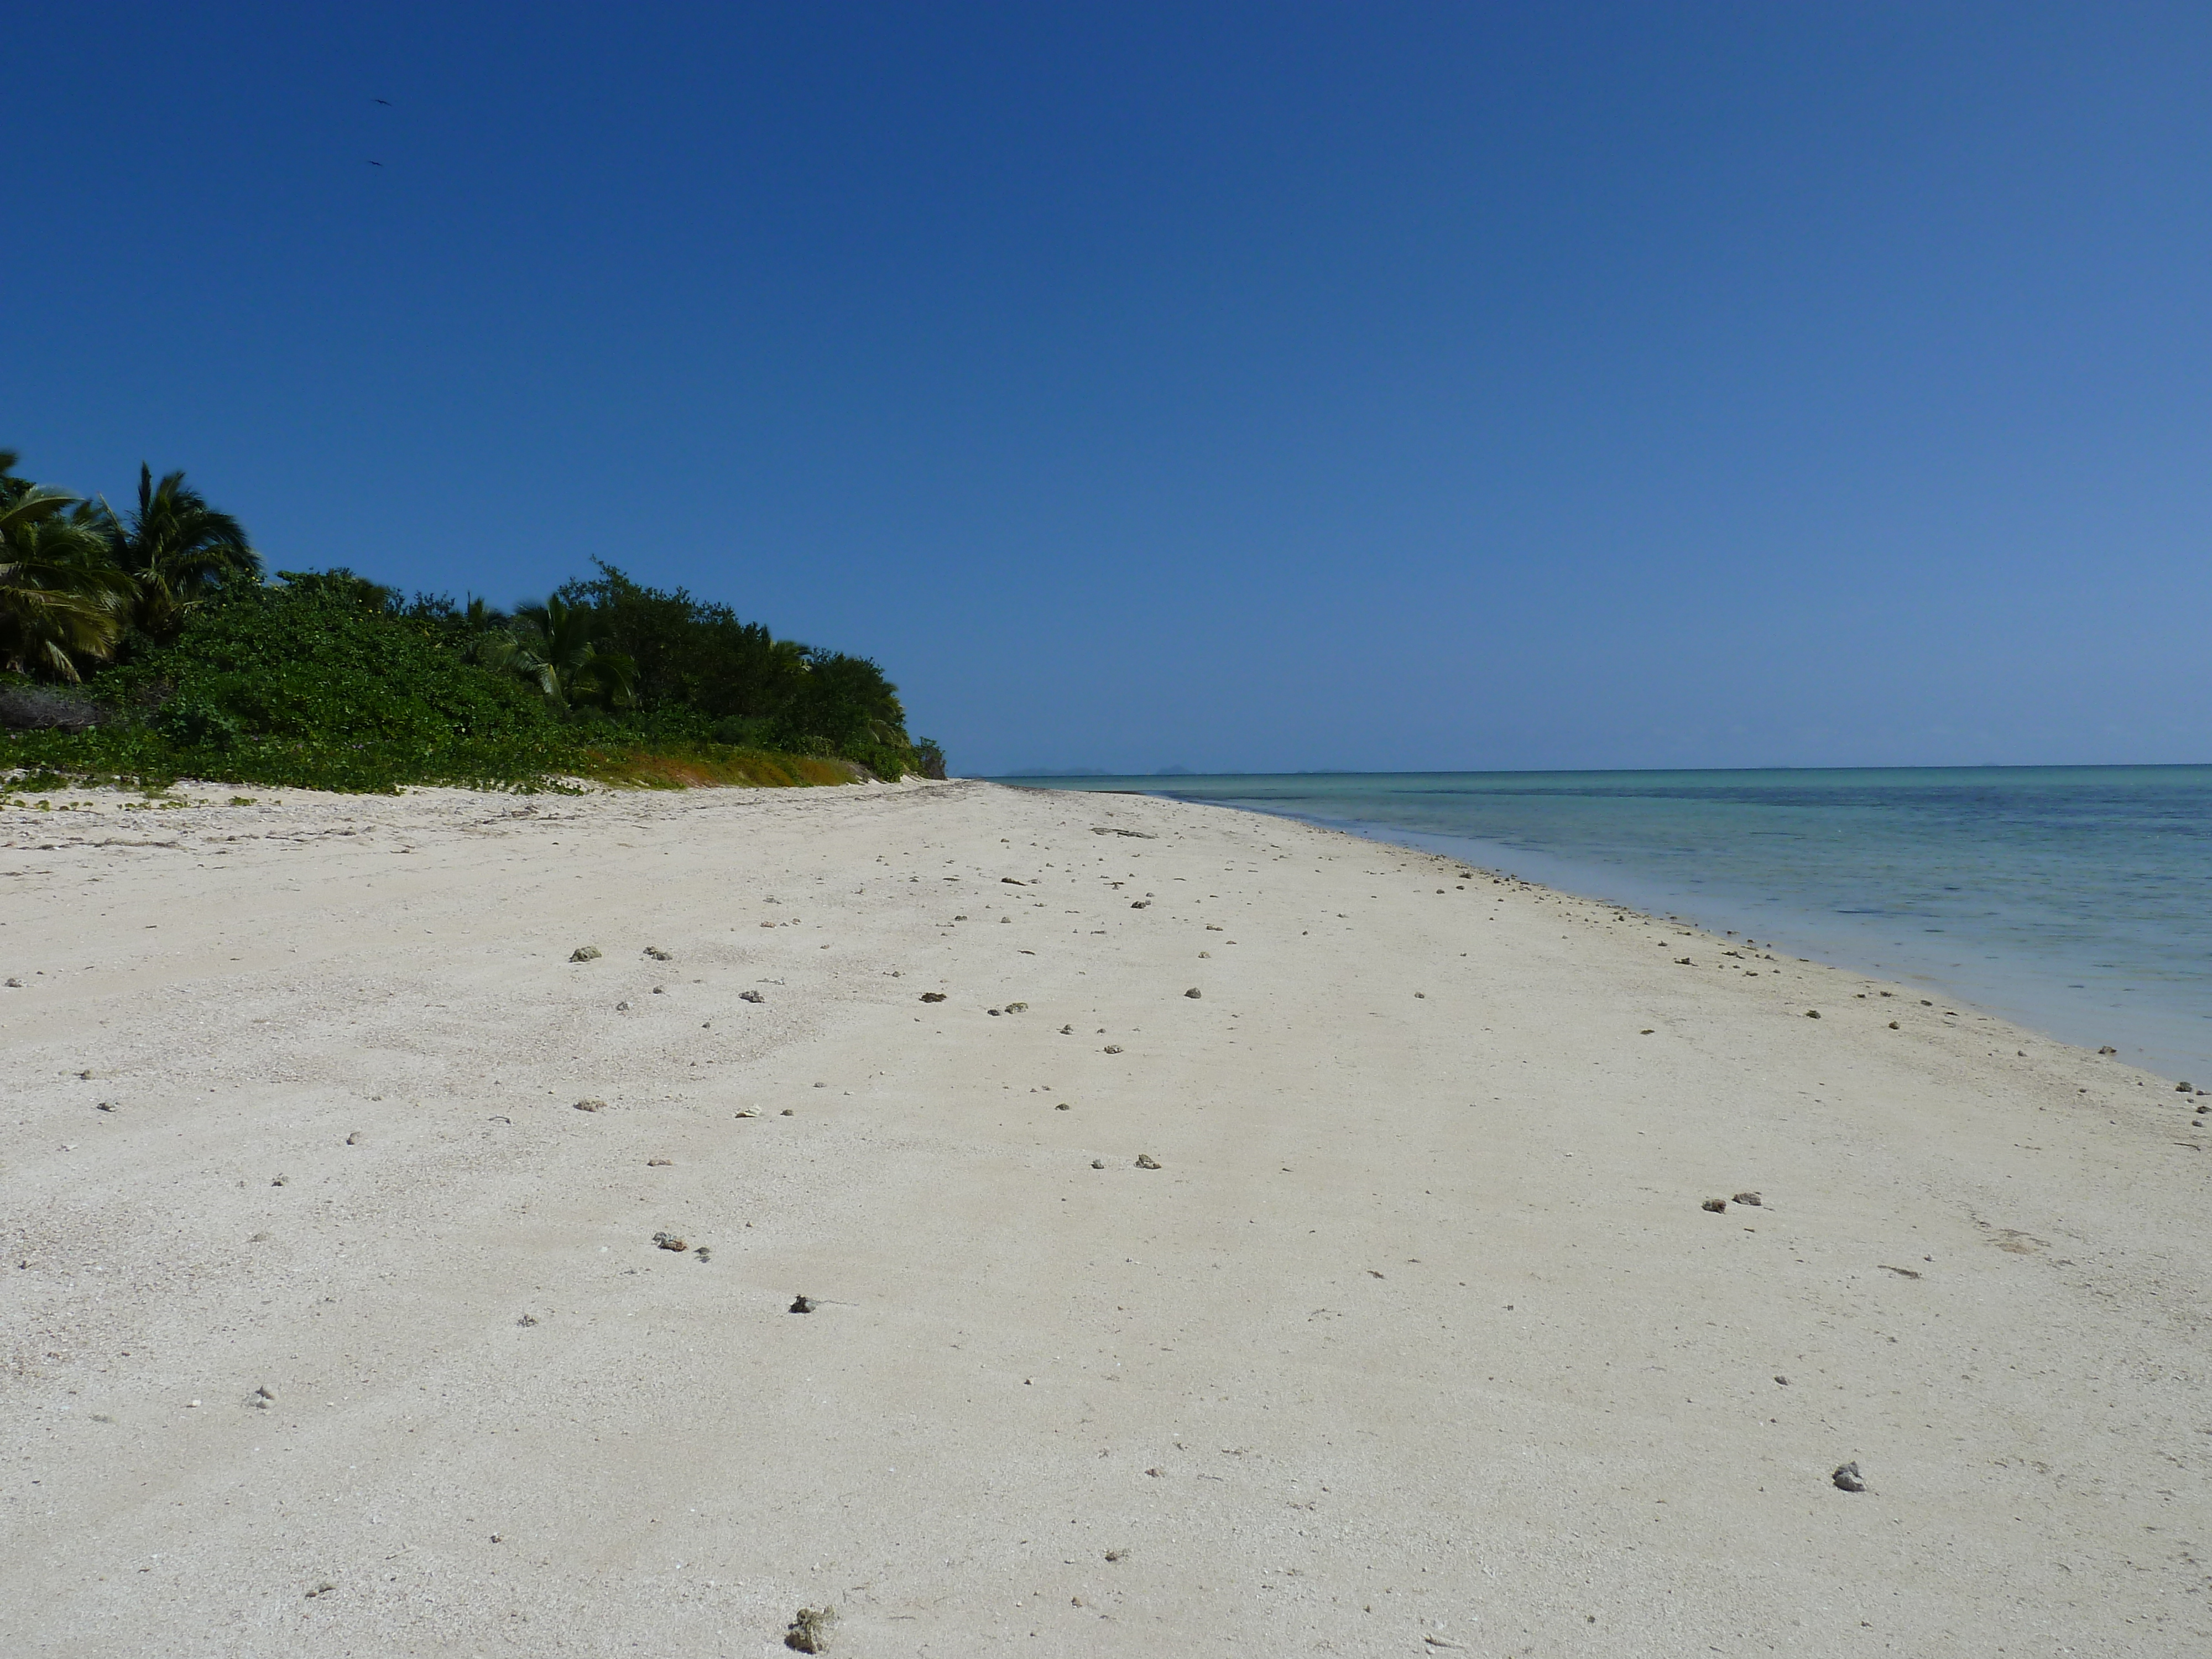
[60, 598]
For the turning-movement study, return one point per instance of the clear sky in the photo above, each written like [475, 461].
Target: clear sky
[1246, 387]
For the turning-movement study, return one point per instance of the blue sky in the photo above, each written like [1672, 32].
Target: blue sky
[1240, 387]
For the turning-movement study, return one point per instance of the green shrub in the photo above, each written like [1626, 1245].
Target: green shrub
[329, 680]
[318, 683]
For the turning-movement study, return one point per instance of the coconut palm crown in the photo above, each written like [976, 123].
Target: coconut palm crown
[178, 551]
[552, 647]
[60, 599]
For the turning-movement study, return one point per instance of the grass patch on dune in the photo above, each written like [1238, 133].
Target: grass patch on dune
[109, 759]
[711, 765]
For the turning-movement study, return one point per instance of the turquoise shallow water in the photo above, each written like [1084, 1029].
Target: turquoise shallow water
[2076, 900]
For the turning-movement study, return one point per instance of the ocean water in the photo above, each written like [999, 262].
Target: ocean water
[2075, 900]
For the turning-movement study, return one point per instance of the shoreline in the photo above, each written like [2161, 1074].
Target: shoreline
[1418, 1338]
[2020, 1002]
[2010, 977]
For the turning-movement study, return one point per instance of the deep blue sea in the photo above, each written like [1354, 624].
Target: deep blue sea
[2073, 899]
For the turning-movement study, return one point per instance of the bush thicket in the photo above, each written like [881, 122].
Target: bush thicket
[149, 647]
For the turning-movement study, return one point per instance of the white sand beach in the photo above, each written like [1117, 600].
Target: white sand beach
[333, 1327]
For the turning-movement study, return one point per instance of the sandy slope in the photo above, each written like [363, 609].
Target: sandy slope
[1417, 1341]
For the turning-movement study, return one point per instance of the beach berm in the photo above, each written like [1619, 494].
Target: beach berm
[1379, 1298]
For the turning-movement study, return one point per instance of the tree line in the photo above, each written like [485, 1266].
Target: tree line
[152, 642]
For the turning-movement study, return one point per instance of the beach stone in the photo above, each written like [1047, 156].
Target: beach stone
[932, 996]
[791, 1111]
[109, 1105]
[591, 1105]
[1113, 1047]
[1194, 993]
[703, 1254]
[1848, 1478]
[1065, 1107]
[354, 1139]
[1146, 1161]
[1812, 1013]
[1206, 955]
[658, 954]
[622, 1007]
[14, 984]
[1892, 1025]
[750, 996]
[747, 1112]
[1097, 1163]
[2183, 1088]
[670, 1242]
[585, 953]
[1017, 1008]
[1751, 1199]
[657, 1164]
[1141, 904]
[1715, 1205]
[802, 1305]
[810, 1629]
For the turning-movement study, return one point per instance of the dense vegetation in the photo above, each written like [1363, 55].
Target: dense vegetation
[148, 645]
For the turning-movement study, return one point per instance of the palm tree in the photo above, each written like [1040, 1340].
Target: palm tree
[12, 488]
[60, 598]
[550, 646]
[179, 551]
